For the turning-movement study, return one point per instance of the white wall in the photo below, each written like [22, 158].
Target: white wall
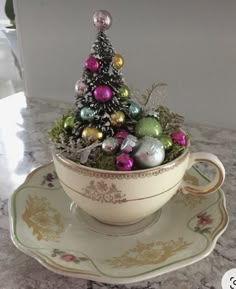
[191, 45]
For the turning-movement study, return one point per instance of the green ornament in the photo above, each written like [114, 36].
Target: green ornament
[124, 92]
[166, 141]
[134, 109]
[87, 113]
[148, 126]
[69, 122]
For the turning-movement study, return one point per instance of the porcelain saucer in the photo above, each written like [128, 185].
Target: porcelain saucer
[47, 226]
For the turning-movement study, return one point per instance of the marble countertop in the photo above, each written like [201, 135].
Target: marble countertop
[24, 146]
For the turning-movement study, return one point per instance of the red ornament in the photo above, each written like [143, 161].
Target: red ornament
[92, 64]
[124, 162]
[180, 138]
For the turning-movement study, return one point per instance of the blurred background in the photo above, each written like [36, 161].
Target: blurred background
[10, 71]
[190, 45]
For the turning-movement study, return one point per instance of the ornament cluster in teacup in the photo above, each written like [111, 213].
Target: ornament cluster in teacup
[111, 128]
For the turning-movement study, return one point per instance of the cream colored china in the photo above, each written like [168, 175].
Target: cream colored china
[122, 198]
[46, 225]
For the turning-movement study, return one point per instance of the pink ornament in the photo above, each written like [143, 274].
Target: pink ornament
[102, 93]
[92, 64]
[124, 162]
[80, 87]
[180, 138]
[121, 135]
[102, 20]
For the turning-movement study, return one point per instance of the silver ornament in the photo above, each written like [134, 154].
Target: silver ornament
[129, 143]
[153, 113]
[149, 152]
[110, 145]
[102, 20]
[80, 87]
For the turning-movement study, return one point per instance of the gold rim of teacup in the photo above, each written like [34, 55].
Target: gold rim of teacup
[94, 172]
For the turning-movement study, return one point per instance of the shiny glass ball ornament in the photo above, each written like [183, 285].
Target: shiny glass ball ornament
[92, 134]
[134, 109]
[153, 113]
[92, 64]
[102, 93]
[166, 141]
[110, 145]
[80, 87]
[129, 143]
[87, 113]
[69, 122]
[180, 138]
[124, 162]
[149, 152]
[117, 118]
[124, 92]
[148, 126]
[118, 61]
[121, 135]
[102, 20]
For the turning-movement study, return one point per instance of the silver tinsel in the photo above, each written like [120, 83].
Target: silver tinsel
[129, 143]
[152, 113]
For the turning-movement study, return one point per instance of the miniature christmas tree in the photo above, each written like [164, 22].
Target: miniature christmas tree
[103, 99]
[106, 128]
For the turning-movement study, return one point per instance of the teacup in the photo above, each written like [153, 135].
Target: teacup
[123, 198]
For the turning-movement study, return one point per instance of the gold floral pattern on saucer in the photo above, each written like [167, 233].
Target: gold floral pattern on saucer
[149, 253]
[45, 221]
[46, 226]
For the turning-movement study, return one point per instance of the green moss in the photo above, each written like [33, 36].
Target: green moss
[175, 152]
[106, 162]
[58, 129]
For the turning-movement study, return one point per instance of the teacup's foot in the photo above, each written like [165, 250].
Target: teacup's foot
[116, 230]
[120, 223]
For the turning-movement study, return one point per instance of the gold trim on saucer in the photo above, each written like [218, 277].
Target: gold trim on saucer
[223, 221]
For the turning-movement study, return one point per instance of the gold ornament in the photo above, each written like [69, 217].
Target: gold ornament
[93, 134]
[117, 118]
[124, 92]
[118, 61]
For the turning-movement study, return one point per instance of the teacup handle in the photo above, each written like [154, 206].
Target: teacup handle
[214, 184]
